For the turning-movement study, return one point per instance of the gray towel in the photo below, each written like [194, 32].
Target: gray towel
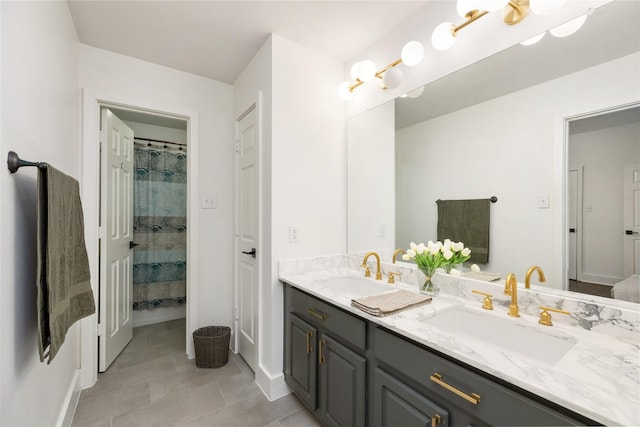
[466, 221]
[63, 282]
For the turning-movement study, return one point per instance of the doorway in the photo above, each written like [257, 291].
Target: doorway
[90, 172]
[600, 147]
[144, 226]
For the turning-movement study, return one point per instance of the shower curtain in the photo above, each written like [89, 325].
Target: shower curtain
[159, 228]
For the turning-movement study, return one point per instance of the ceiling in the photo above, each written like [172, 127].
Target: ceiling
[217, 39]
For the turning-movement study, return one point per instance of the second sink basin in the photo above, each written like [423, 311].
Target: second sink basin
[355, 287]
[528, 340]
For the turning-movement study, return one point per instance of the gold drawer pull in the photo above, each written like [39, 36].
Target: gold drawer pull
[321, 344]
[309, 335]
[473, 398]
[435, 420]
[319, 315]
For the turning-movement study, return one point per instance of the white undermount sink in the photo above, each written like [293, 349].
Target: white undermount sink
[355, 287]
[527, 339]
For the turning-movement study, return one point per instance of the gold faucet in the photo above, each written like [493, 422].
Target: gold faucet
[391, 276]
[545, 317]
[396, 253]
[527, 279]
[367, 271]
[512, 284]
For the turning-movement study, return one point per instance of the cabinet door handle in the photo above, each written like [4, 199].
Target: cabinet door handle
[435, 420]
[319, 315]
[472, 398]
[309, 335]
[320, 351]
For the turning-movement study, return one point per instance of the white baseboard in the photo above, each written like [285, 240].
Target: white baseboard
[599, 279]
[273, 387]
[70, 403]
[157, 315]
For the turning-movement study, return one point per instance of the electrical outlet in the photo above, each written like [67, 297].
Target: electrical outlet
[294, 234]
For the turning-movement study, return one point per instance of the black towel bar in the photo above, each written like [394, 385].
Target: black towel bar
[492, 199]
[14, 162]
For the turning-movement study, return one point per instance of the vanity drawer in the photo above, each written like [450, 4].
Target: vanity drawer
[471, 392]
[332, 319]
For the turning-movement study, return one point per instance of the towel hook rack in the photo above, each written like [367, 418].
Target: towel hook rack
[14, 162]
[492, 199]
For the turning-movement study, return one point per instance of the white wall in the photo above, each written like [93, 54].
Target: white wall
[371, 180]
[113, 77]
[602, 154]
[303, 151]
[40, 122]
[308, 167]
[507, 148]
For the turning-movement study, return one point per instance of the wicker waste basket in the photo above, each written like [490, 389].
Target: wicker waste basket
[212, 346]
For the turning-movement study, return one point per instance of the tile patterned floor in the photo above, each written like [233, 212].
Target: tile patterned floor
[590, 288]
[152, 383]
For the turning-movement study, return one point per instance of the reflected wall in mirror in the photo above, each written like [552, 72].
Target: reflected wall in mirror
[491, 129]
[604, 159]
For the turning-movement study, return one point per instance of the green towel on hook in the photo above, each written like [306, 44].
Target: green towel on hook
[64, 289]
[466, 221]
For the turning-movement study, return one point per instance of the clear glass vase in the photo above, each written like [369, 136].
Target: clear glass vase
[449, 267]
[428, 286]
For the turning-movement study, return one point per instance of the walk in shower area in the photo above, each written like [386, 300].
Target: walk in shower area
[159, 217]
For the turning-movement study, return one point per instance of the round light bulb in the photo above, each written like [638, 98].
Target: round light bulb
[493, 5]
[568, 28]
[354, 70]
[533, 40]
[366, 70]
[343, 91]
[412, 53]
[442, 37]
[545, 7]
[392, 78]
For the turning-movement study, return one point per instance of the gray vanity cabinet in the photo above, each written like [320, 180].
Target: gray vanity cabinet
[324, 360]
[470, 399]
[351, 372]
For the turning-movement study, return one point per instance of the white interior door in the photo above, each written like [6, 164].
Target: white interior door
[116, 232]
[631, 219]
[573, 223]
[247, 236]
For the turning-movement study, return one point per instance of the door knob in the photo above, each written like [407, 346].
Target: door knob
[133, 244]
[630, 232]
[252, 252]
[572, 230]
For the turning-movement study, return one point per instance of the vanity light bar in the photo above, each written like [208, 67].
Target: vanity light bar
[362, 72]
[444, 36]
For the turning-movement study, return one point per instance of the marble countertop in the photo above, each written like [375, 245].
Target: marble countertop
[598, 377]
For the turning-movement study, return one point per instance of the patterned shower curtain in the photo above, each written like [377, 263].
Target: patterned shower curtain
[160, 224]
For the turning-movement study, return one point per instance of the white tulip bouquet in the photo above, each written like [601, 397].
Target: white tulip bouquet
[436, 255]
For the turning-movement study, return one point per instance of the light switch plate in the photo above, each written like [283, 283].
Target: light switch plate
[209, 201]
[543, 201]
[294, 234]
